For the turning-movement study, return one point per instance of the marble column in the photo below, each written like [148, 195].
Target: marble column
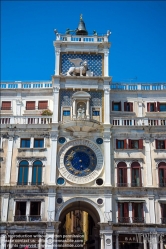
[53, 168]
[161, 242]
[55, 103]
[3, 241]
[148, 162]
[106, 62]
[5, 201]
[145, 242]
[128, 174]
[107, 158]
[117, 241]
[106, 105]
[57, 60]
[102, 241]
[130, 212]
[9, 159]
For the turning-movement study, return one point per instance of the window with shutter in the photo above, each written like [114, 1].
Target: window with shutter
[162, 174]
[122, 175]
[140, 144]
[128, 106]
[6, 105]
[116, 106]
[30, 105]
[160, 144]
[136, 175]
[43, 105]
[119, 144]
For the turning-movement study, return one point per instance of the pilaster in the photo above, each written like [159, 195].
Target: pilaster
[107, 156]
[148, 162]
[53, 168]
[55, 103]
[9, 158]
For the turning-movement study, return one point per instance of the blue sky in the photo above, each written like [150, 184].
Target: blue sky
[138, 39]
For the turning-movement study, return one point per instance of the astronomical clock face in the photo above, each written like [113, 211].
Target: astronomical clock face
[80, 161]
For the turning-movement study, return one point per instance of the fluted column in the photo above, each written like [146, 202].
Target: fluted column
[148, 162]
[128, 173]
[107, 105]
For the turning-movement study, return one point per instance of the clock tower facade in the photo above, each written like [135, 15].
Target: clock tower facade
[81, 130]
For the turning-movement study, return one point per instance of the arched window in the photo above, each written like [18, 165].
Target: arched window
[122, 174]
[162, 174]
[136, 175]
[37, 173]
[23, 173]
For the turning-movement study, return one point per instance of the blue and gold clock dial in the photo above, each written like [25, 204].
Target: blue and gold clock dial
[80, 160]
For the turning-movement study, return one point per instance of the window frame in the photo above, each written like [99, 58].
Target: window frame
[162, 166]
[39, 139]
[25, 139]
[7, 107]
[136, 165]
[44, 103]
[119, 104]
[37, 173]
[22, 173]
[122, 170]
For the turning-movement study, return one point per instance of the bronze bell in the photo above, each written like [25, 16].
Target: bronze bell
[81, 30]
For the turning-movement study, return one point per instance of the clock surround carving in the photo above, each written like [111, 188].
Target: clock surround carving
[80, 179]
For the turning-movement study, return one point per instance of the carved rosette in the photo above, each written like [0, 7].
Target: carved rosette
[83, 179]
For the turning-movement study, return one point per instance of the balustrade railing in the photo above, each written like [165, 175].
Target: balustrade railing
[133, 184]
[115, 121]
[26, 120]
[24, 183]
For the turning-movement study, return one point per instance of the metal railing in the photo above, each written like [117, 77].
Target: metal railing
[20, 218]
[34, 218]
[123, 219]
[27, 218]
[131, 220]
[138, 220]
[30, 183]
[129, 184]
[162, 184]
[24, 85]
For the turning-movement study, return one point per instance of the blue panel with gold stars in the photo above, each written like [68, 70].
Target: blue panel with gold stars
[80, 160]
[94, 62]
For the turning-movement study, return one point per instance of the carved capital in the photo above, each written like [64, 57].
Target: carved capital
[18, 101]
[56, 89]
[106, 90]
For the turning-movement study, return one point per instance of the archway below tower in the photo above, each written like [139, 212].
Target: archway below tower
[79, 220]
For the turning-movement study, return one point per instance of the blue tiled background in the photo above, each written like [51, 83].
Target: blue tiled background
[94, 62]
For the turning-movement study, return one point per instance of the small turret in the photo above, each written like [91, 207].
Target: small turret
[81, 30]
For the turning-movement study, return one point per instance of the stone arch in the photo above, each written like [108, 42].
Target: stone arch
[92, 208]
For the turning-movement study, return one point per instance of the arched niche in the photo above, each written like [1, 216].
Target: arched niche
[81, 105]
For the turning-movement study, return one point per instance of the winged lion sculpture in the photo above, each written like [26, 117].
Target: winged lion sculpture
[80, 67]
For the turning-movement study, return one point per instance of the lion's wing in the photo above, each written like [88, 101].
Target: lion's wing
[76, 61]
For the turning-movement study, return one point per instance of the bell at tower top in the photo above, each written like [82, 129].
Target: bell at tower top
[81, 30]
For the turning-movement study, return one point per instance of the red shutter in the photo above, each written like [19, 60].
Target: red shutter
[6, 105]
[116, 143]
[165, 144]
[125, 144]
[131, 107]
[148, 107]
[129, 143]
[158, 106]
[140, 144]
[30, 105]
[43, 105]
[112, 105]
[156, 144]
[126, 211]
[125, 106]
